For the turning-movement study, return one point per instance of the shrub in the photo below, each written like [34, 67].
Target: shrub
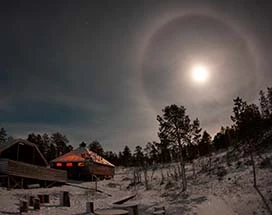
[221, 172]
[112, 185]
[265, 163]
[169, 185]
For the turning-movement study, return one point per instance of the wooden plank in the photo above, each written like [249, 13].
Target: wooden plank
[125, 199]
[128, 206]
[87, 188]
[16, 168]
[3, 165]
[111, 212]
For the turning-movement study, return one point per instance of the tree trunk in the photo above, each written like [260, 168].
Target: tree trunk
[183, 174]
[210, 162]
[252, 162]
[264, 200]
[90, 207]
[146, 179]
[193, 166]
[253, 168]
[184, 180]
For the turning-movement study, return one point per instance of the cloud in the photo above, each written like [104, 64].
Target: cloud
[108, 77]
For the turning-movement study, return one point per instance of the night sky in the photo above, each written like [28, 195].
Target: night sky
[104, 69]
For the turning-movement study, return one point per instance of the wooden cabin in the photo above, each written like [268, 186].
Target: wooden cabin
[83, 164]
[22, 163]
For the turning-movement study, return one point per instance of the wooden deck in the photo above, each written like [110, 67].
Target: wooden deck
[24, 170]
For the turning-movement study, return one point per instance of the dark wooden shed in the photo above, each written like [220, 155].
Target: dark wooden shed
[83, 164]
[22, 163]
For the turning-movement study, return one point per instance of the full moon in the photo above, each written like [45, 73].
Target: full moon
[199, 73]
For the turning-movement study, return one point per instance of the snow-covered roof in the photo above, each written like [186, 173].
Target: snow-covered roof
[81, 154]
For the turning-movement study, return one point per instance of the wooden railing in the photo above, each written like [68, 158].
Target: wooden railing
[21, 169]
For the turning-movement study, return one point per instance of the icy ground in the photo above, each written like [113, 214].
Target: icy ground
[210, 193]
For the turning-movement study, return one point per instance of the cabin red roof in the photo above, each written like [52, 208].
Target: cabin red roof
[81, 154]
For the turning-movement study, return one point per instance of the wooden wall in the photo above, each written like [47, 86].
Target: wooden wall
[16, 168]
[103, 170]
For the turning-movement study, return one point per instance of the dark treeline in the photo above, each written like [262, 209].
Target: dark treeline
[180, 138]
[51, 146]
[250, 132]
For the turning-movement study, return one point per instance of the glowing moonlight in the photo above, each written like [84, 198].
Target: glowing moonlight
[200, 73]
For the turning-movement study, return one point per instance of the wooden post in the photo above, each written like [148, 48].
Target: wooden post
[41, 197]
[65, 199]
[36, 204]
[90, 207]
[18, 151]
[8, 183]
[33, 153]
[23, 206]
[22, 182]
[46, 198]
[135, 210]
[31, 200]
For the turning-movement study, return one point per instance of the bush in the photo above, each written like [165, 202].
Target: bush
[169, 185]
[248, 163]
[238, 164]
[112, 185]
[126, 179]
[221, 172]
[265, 163]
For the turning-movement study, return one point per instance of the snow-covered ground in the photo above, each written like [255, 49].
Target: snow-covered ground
[209, 193]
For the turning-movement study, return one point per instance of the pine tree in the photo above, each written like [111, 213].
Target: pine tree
[192, 148]
[138, 156]
[269, 98]
[205, 144]
[83, 144]
[151, 152]
[96, 147]
[46, 142]
[174, 126]
[127, 157]
[3, 136]
[264, 104]
[196, 135]
[111, 157]
[60, 141]
[222, 139]
[247, 123]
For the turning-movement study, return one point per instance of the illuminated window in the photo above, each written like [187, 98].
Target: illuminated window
[69, 164]
[58, 164]
[80, 164]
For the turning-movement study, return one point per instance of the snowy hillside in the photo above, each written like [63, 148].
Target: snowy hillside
[221, 189]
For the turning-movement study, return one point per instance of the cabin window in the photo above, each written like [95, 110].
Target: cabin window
[80, 164]
[59, 164]
[69, 164]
